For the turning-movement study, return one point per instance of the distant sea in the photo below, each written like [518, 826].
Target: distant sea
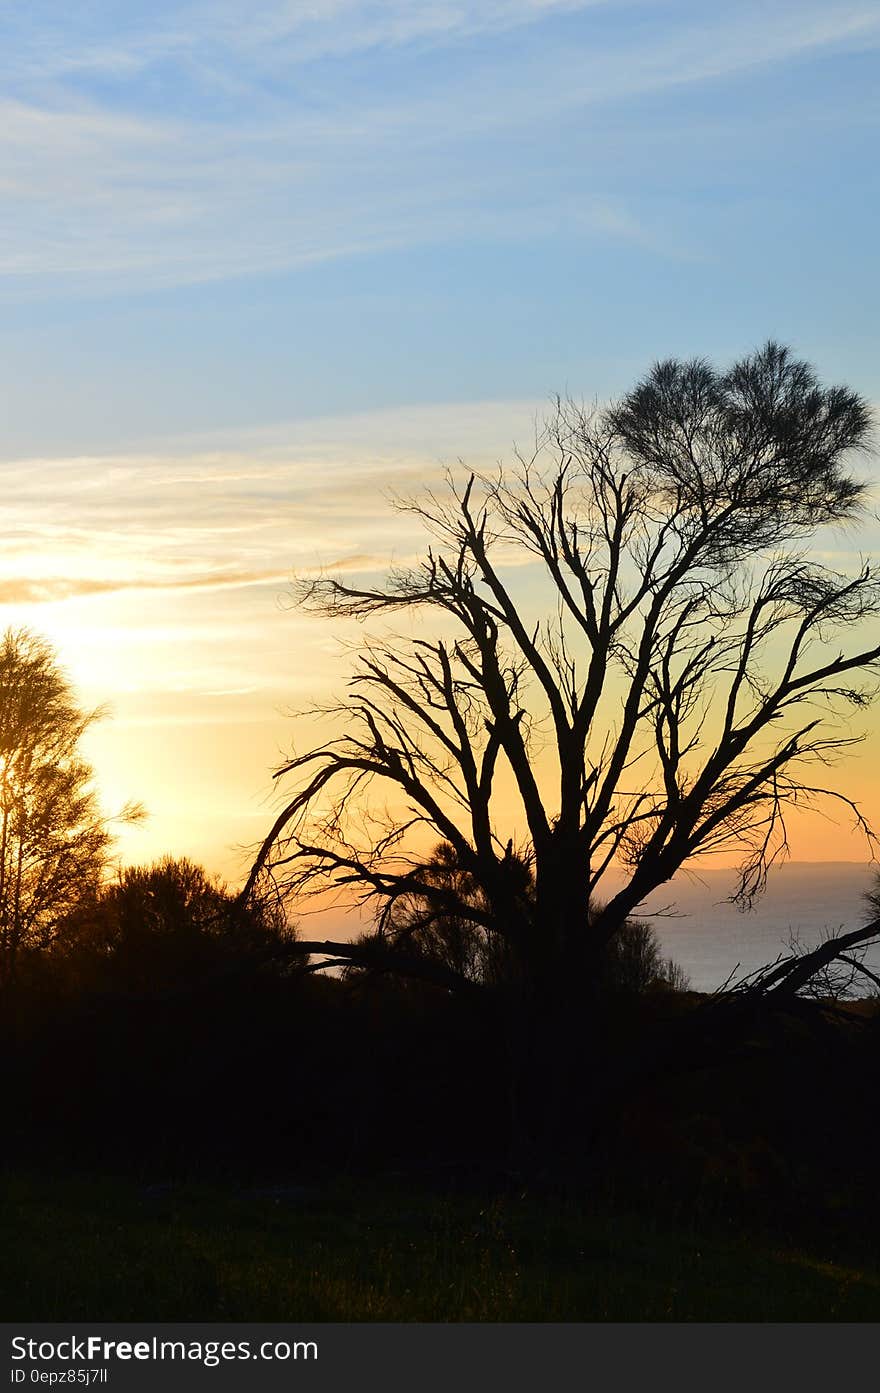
[712, 939]
[708, 936]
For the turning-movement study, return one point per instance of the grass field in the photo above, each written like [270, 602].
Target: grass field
[113, 1249]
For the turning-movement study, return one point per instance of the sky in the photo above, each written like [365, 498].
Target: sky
[262, 264]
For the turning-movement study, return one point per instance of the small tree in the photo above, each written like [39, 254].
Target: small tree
[440, 936]
[635, 963]
[54, 840]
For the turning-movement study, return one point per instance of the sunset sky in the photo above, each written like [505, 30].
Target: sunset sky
[262, 263]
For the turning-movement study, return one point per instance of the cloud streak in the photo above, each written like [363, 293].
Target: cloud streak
[49, 589]
[295, 136]
[191, 549]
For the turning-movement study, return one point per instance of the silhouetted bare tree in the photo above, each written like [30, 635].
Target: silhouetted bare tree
[670, 692]
[54, 839]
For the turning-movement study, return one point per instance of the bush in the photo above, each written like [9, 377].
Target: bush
[634, 962]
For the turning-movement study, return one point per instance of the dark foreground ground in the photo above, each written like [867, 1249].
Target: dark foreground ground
[105, 1248]
[264, 1147]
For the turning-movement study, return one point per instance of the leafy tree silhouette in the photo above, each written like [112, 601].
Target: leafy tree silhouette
[54, 840]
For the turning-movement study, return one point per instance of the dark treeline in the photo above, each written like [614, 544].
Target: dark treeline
[163, 1027]
[168, 1038]
[164, 1037]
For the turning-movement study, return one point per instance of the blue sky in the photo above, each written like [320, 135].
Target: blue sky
[258, 260]
[224, 214]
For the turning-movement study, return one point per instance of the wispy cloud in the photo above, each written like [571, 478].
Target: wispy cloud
[281, 30]
[163, 581]
[286, 135]
[232, 514]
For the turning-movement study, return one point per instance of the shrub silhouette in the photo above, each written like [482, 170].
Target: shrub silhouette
[170, 925]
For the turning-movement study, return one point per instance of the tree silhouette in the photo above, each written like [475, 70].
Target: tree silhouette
[169, 926]
[685, 671]
[54, 840]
